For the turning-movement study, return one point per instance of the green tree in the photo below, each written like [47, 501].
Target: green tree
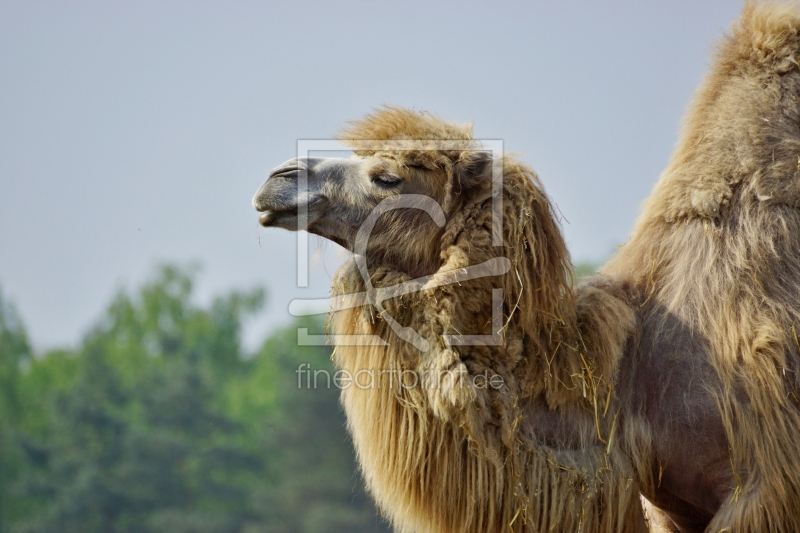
[158, 422]
[316, 487]
[584, 269]
[15, 352]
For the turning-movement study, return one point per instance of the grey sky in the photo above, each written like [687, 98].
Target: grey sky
[133, 133]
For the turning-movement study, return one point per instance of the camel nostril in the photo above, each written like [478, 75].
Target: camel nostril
[292, 166]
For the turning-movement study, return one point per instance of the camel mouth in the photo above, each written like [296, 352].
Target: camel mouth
[286, 216]
[267, 218]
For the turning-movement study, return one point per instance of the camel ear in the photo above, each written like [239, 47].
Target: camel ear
[473, 168]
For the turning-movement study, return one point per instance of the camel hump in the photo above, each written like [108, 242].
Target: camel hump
[742, 128]
[768, 32]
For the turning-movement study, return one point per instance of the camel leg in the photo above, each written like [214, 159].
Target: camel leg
[657, 521]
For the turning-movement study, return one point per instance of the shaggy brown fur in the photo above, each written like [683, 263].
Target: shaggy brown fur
[452, 456]
[716, 250]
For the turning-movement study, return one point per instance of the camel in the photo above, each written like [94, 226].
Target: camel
[490, 394]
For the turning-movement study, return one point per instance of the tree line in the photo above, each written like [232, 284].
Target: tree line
[160, 422]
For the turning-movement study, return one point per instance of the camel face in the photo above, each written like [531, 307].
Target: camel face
[340, 195]
[283, 196]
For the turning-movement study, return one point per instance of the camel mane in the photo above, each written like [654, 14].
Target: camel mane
[440, 448]
[396, 123]
[717, 248]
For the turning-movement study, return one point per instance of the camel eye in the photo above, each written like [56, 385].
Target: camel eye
[386, 181]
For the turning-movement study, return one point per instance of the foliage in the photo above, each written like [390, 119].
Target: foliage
[15, 354]
[159, 422]
[584, 269]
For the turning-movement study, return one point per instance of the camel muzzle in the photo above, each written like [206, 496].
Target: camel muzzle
[280, 197]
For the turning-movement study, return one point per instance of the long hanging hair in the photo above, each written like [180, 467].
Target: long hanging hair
[440, 434]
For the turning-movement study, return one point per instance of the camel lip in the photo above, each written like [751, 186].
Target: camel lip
[286, 217]
[267, 218]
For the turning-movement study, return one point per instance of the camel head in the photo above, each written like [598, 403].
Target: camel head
[404, 194]
[419, 199]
